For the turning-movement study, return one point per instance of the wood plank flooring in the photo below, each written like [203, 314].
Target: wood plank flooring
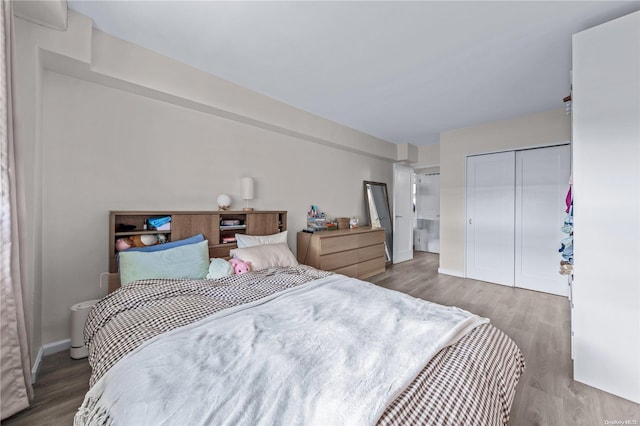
[59, 391]
[537, 322]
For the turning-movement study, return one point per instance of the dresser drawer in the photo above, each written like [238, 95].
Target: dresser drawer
[330, 262]
[371, 267]
[364, 269]
[370, 238]
[333, 244]
[371, 252]
[350, 271]
[338, 243]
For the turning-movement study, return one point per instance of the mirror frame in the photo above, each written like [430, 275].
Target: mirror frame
[388, 241]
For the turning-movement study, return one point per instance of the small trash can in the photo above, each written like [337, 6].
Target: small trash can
[79, 313]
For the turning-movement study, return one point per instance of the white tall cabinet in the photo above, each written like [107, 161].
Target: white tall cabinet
[606, 167]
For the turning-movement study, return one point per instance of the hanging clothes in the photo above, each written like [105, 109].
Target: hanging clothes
[568, 200]
[566, 245]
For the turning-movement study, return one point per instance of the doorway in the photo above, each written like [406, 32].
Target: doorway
[403, 213]
[426, 232]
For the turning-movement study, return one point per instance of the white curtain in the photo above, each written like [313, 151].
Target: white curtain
[15, 374]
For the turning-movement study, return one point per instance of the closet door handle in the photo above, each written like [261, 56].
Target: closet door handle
[469, 221]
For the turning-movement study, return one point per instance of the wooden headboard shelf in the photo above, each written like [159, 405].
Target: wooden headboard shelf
[185, 224]
[114, 282]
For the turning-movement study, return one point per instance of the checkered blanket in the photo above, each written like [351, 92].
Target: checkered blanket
[472, 381]
[126, 318]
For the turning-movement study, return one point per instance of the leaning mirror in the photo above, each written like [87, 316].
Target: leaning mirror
[377, 204]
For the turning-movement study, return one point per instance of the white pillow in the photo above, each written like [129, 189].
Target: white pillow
[188, 261]
[245, 241]
[266, 256]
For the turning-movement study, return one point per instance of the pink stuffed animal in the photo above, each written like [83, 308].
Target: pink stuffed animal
[240, 266]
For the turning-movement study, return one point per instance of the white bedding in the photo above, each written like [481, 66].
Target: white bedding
[332, 351]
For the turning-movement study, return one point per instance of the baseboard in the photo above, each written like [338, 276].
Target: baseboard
[48, 349]
[453, 272]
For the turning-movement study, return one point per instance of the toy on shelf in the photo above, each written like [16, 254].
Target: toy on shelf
[144, 240]
[123, 244]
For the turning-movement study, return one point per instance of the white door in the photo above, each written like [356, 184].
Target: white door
[542, 177]
[403, 213]
[490, 217]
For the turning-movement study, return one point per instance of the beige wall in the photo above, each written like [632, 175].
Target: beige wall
[31, 41]
[429, 155]
[407, 153]
[546, 128]
[105, 125]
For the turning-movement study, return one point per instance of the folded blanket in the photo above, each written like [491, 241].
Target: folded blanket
[135, 313]
[332, 351]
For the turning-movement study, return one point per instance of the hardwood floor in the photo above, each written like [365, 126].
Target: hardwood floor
[537, 322]
[59, 391]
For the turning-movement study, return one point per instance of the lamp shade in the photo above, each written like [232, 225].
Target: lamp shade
[247, 188]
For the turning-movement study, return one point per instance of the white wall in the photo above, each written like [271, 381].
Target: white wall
[542, 129]
[31, 41]
[429, 155]
[606, 158]
[407, 153]
[106, 125]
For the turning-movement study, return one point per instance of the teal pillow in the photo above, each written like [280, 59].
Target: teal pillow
[188, 261]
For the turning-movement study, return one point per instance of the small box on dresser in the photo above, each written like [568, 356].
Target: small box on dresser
[357, 253]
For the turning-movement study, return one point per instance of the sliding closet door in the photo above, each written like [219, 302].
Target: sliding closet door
[542, 177]
[490, 217]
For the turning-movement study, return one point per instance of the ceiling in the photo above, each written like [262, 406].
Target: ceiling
[401, 71]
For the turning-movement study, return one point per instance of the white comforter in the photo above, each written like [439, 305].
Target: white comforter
[332, 351]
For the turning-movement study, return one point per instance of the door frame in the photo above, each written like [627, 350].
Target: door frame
[396, 202]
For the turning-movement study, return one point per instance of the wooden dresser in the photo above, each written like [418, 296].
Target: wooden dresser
[357, 253]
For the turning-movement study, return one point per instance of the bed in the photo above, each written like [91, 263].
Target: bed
[291, 344]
